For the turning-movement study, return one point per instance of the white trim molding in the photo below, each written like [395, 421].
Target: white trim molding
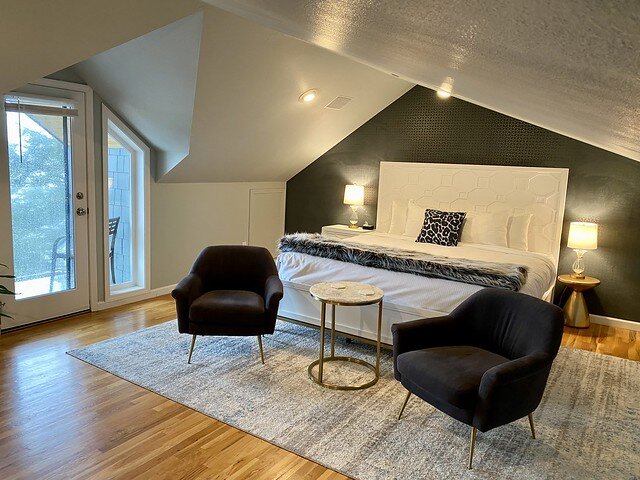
[615, 322]
[141, 295]
[91, 187]
[82, 96]
[141, 206]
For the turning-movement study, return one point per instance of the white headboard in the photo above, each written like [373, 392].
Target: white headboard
[480, 188]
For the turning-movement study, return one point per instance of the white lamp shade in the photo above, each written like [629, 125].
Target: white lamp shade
[583, 236]
[354, 195]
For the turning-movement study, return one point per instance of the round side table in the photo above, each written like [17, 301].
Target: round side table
[575, 309]
[344, 294]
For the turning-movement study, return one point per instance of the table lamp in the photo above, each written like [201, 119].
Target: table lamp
[583, 236]
[354, 197]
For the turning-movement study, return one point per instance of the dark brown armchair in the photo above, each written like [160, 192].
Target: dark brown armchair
[231, 290]
[485, 364]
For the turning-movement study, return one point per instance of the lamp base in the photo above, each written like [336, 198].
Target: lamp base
[578, 265]
[353, 221]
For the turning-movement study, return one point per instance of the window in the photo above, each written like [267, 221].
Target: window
[126, 208]
[41, 177]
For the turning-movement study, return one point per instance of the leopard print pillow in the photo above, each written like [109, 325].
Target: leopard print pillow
[441, 228]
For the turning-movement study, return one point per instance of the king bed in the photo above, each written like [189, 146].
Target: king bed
[513, 219]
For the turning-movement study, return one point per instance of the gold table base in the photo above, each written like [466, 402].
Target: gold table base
[335, 386]
[575, 311]
[333, 358]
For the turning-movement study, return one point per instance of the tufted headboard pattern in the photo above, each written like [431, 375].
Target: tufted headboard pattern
[481, 188]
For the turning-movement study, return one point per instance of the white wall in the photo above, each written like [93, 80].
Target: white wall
[40, 37]
[266, 208]
[239, 83]
[246, 103]
[186, 217]
[151, 81]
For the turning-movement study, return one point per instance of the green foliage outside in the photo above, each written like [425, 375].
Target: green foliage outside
[4, 291]
[38, 201]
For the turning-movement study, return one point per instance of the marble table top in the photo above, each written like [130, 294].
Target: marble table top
[346, 293]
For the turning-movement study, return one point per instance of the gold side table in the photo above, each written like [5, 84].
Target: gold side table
[575, 309]
[344, 294]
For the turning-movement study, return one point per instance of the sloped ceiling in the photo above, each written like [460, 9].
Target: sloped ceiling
[151, 83]
[39, 37]
[244, 122]
[248, 124]
[571, 67]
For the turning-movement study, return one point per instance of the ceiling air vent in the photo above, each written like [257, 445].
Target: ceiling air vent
[338, 102]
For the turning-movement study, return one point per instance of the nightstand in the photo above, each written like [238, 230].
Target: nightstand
[338, 232]
[575, 310]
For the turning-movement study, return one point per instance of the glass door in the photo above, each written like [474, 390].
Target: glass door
[47, 185]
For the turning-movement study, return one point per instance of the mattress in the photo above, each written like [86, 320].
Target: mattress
[410, 290]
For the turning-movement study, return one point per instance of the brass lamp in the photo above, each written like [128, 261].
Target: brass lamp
[583, 236]
[354, 197]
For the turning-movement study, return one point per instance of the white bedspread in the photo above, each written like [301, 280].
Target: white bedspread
[411, 290]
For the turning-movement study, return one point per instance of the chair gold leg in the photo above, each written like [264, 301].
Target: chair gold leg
[533, 428]
[471, 447]
[404, 405]
[193, 342]
[260, 346]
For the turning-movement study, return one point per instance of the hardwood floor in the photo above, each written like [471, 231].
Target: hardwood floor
[63, 418]
[618, 342]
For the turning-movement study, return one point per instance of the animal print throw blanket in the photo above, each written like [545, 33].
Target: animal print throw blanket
[475, 272]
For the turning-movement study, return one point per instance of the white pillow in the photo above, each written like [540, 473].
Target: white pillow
[518, 234]
[415, 220]
[398, 217]
[485, 228]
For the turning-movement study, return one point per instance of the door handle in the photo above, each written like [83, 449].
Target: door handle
[81, 211]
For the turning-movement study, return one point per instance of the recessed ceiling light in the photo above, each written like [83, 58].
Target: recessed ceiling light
[446, 88]
[308, 96]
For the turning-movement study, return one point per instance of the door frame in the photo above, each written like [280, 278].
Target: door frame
[89, 145]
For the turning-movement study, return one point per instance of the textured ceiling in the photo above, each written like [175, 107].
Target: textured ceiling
[569, 66]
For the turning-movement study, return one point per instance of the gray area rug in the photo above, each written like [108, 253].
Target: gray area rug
[588, 425]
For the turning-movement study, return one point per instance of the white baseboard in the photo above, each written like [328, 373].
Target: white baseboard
[156, 292]
[615, 322]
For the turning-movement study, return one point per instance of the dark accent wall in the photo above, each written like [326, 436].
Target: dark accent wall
[419, 127]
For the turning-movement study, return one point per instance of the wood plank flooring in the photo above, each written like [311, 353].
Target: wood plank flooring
[62, 418]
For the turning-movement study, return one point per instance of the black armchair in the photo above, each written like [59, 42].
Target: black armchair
[231, 290]
[486, 364]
